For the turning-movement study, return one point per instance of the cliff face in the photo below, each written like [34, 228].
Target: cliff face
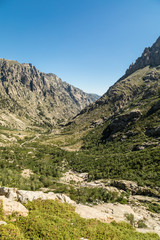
[28, 96]
[150, 56]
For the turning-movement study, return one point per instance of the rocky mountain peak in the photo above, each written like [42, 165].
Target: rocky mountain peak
[150, 57]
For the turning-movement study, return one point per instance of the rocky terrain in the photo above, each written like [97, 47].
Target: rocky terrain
[134, 212]
[31, 98]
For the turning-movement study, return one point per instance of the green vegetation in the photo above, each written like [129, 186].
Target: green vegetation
[116, 159]
[141, 224]
[130, 218]
[113, 159]
[54, 220]
[43, 160]
[153, 207]
[89, 195]
[1, 211]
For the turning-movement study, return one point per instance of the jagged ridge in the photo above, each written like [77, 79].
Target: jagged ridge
[30, 97]
[150, 56]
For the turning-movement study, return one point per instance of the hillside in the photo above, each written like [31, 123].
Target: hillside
[30, 98]
[138, 88]
[120, 132]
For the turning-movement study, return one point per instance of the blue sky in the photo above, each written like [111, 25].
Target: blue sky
[87, 43]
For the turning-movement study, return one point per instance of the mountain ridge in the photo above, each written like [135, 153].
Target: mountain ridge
[36, 98]
[141, 81]
[150, 56]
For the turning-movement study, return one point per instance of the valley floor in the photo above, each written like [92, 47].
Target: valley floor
[42, 161]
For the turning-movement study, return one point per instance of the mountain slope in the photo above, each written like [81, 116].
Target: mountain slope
[30, 97]
[138, 88]
[121, 130]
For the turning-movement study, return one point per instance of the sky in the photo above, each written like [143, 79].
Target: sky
[87, 43]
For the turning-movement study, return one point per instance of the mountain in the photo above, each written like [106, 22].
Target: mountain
[29, 97]
[120, 132]
[139, 89]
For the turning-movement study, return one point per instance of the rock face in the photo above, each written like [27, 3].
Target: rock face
[29, 97]
[150, 56]
[121, 122]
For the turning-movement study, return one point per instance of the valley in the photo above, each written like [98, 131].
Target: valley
[101, 154]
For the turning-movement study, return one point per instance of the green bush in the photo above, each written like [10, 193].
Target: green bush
[141, 224]
[130, 218]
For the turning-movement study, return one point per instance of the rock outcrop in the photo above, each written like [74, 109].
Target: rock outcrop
[150, 56]
[13, 199]
[11, 206]
[121, 122]
[135, 189]
[23, 196]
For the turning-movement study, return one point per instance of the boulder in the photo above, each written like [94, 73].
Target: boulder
[138, 147]
[11, 206]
